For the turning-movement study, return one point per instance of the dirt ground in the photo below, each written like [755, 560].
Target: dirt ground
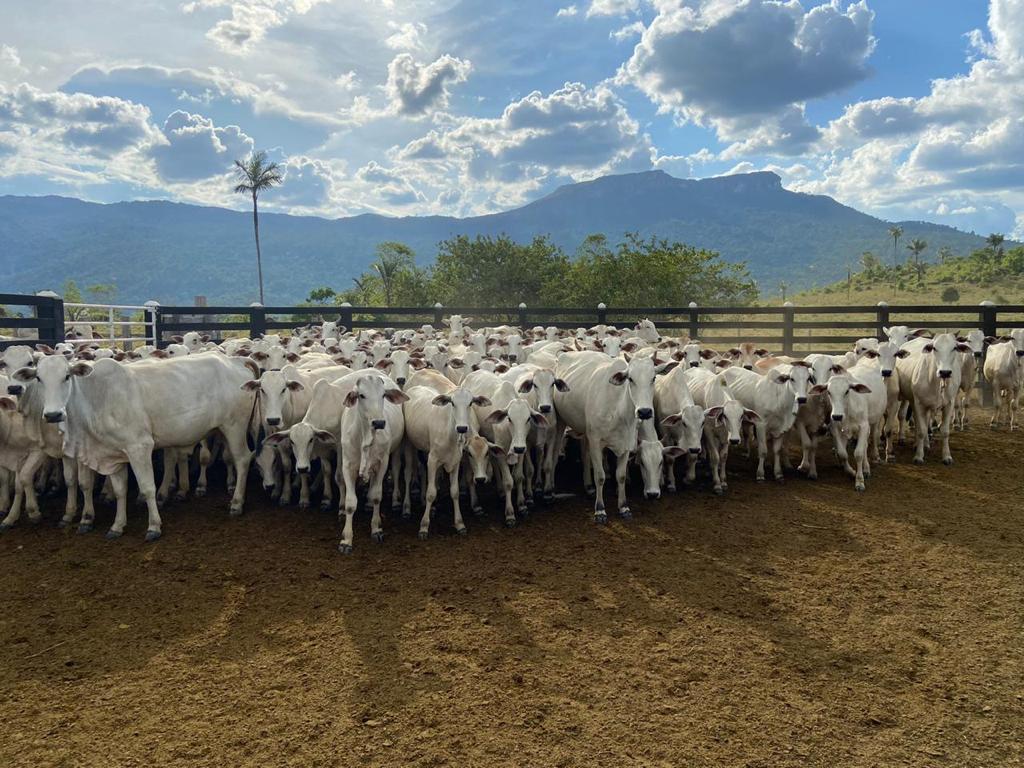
[800, 624]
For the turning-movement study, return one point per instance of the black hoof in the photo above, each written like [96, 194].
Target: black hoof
[919, 462]
[345, 549]
[549, 497]
[461, 531]
[200, 492]
[4, 527]
[84, 528]
[152, 536]
[600, 518]
[948, 462]
[378, 537]
[112, 535]
[478, 511]
[719, 491]
[423, 535]
[235, 513]
[35, 520]
[510, 522]
[406, 514]
[625, 514]
[63, 523]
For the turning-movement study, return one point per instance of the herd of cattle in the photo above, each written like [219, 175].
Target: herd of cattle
[327, 407]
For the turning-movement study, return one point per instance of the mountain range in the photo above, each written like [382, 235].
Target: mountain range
[173, 251]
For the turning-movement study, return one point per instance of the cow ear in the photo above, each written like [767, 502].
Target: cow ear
[46, 349]
[761, 352]
[961, 347]
[251, 385]
[678, 355]
[325, 437]
[295, 385]
[666, 367]
[561, 386]
[870, 354]
[496, 450]
[819, 389]
[500, 368]
[456, 363]
[838, 370]
[7, 403]
[441, 400]
[782, 378]
[671, 420]
[416, 363]
[159, 354]
[496, 417]
[255, 369]
[864, 389]
[525, 386]
[178, 339]
[672, 451]
[24, 374]
[618, 378]
[723, 363]
[204, 338]
[629, 346]
[903, 353]
[277, 437]
[259, 356]
[802, 363]
[396, 396]
[482, 401]
[750, 416]
[351, 398]
[539, 419]
[714, 412]
[707, 354]
[384, 364]
[291, 357]
[928, 348]
[81, 369]
[917, 332]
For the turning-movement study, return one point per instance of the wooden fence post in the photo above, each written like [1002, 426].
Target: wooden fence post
[522, 316]
[345, 316]
[694, 322]
[602, 313]
[787, 328]
[438, 315]
[989, 326]
[881, 320]
[53, 312]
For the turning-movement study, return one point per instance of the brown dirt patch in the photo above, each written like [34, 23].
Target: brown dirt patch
[794, 625]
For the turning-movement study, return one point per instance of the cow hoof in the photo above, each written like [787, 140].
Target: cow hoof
[948, 461]
[461, 531]
[600, 518]
[62, 523]
[760, 479]
[859, 487]
[396, 509]
[5, 527]
[407, 514]
[152, 536]
[812, 475]
[549, 497]
[303, 505]
[625, 514]
[84, 528]
[423, 535]
[524, 511]
[378, 537]
[160, 500]
[200, 492]
[719, 491]
[510, 522]
[325, 505]
[113, 535]
[345, 549]
[780, 479]
[919, 462]
[180, 496]
[478, 511]
[591, 490]
[35, 519]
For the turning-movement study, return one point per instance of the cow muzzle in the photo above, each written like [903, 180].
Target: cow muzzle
[801, 400]
[734, 441]
[520, 449]
[694, 451]
[652, 495]
[15, 389]
[545, 409]
[302, 470]
[837, 417]
[748, 367]
[945, 374]
[1020, 353]
[54, 417]
[400, 381]
[462, 429]
[886, 374]
[977, 355]
[644, 413]
[273, 421]
[378, 424]
[695, 365]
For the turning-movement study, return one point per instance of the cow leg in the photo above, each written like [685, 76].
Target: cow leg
[621, 475]
[349, 499]
[595, 458]
[241, 458]
[691, 469]
[551, 446]
[70, 467]
[87, 482]
[860, 456]
[142, 465]
[326, 472]
[761, 434]
[453, 490]
[589, 467]
[805, 449]
[285, 457]
[839, 441]
[501, 466]
[518, 480]
[945, 427]
[668, 469]
[470, 483]
[412, 462]
[431, 494]
[374, 494]
[922, 419]
[777, 456]
[205, 457]
[5, 489]
[119, 482]
[168, 460]
[25, 479]
[395, 465]
[184, 481]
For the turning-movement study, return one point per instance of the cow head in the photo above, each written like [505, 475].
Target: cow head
[368, 395]
[943, 349]
[303, 438]
[459, 400]
[687, 427]
[638, 376]
[544, 383]
[54, 374]
[274, 390]
[520, 418]
[731, 416]
[647, 331]
[840, 389]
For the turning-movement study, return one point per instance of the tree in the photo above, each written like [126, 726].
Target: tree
[950, 295]
[895, 232]
[365, 288]
[916, 247]
[255, 175]
[945, 254]
[995, 242]
[871, 264]
[322, 295]
[392, 259]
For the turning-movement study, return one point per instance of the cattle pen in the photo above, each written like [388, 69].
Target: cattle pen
[778, 624]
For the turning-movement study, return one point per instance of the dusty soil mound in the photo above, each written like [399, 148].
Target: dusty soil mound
[783, 625]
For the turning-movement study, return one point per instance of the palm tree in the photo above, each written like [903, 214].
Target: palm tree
[916, 247]
[392, 258]
[364, 287]
[895, 232]
[995, 242]
[255, 174]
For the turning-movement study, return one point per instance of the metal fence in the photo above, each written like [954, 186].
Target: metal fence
[47, 319]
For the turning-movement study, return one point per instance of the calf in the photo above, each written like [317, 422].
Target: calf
[680, 422]
[1003, 372]
[724, 420]
[774, 399]
[858, 401]
[975, 339]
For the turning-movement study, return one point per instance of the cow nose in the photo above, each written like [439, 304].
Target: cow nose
[462, 429]
[734, 441]
[837, 417]
[977, 355]
[273, 421]
[748, 367]
[480, 479]
[695, 451]
[1020, 353]
[268, 486]
[694, 365]
[53, 416]
[15, 389]
[513, 358]
[945, 374]
[652, 495]
[801, 400]
[886, 374]
[302, 470]
[644, 413]
[400, 381]
[520, 449]
[545, 409]
[377, 423]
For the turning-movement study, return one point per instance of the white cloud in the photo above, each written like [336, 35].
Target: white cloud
[612, 7]
[250, 20]
[406, 37]
[570, 10]
[194, 148]
[11, 68]
[715, 60]
[416, 89]
[347, 81]
[389, 185]
[627, 32]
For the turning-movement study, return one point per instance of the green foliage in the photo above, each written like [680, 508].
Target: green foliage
[950, 295]
[322, 295]
[100, 293]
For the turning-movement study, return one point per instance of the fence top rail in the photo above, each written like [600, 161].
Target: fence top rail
[19, 299]
[80, 305]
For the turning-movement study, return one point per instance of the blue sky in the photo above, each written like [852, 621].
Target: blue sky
[903, 108]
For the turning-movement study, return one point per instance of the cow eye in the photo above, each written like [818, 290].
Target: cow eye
[362, 397]
[68, 377]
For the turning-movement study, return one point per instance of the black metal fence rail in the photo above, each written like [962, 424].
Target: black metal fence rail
[45, 318]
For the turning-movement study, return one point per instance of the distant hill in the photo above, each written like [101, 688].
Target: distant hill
[172, 251]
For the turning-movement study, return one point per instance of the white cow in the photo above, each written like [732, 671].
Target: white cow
[884, 357]
[1003, 371]
[858, 401]
[605, 400]
[975, 339]
[930, 379]
[538, 385]
[680, 422]
[724, 419]
[773, 398]
[117, 414]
